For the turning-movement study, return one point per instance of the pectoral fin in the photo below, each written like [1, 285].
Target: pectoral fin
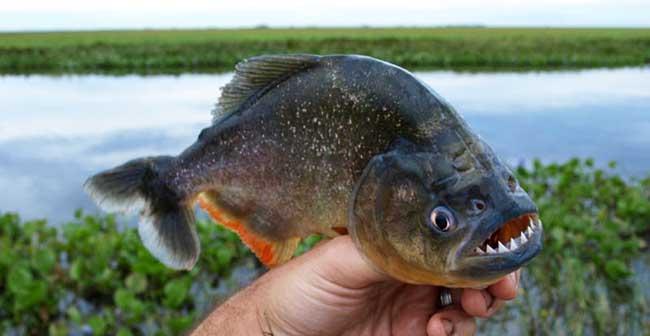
[270, 253]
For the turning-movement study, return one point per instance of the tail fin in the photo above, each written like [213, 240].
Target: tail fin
[166, 223]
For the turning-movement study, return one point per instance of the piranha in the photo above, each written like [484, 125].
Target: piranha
[308, 144]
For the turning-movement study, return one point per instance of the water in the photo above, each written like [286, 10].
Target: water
[56, 131]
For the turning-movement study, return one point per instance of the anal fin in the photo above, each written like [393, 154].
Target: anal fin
[270, 253]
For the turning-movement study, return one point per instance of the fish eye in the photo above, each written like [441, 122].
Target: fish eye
[476, 206]
[442, 218]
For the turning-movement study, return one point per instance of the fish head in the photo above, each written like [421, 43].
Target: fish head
[430, 216]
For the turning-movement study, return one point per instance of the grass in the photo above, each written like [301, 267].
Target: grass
[94, 275]
[174, 51]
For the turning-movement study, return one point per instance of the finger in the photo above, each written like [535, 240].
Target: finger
[340, 262]
[506, 288]
[451, 321]
[477, 302]
[480, 303]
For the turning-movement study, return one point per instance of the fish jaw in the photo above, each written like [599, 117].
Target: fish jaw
[501, 249]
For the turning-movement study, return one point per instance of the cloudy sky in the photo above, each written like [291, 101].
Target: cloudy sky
[121, 14]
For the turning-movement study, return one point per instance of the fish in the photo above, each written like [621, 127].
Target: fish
[335, 144]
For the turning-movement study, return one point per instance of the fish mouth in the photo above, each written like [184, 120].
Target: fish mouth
[514, 235]
[501, 250]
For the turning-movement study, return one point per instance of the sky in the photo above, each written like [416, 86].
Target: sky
[37, 15]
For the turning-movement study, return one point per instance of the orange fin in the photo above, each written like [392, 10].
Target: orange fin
[340, 230]
[270, 253]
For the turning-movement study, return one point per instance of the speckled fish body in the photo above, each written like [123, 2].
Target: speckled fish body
[296, 153]
[305, 144]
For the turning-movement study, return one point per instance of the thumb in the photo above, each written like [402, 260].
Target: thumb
[340, 262]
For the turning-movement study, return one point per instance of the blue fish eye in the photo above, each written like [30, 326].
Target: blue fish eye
[442, 218]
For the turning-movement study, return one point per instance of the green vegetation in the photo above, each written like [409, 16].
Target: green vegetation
[595, 224]
[87, 274]
[92, 275]
[173, 51]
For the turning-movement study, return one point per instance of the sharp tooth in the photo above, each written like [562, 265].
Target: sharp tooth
[540, 222]
[531, 223]
[479, 250]
[522, 238]
[502, 248]
[529, 232]
[513, 244]
[490, 250]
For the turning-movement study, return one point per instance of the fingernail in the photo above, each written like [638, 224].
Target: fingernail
[515, 280]
[488, 299]
[492, 309]
[449, 327]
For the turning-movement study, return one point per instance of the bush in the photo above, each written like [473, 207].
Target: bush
[90, 276]
[93, 276]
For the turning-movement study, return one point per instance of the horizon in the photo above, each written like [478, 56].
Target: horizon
[262, 27]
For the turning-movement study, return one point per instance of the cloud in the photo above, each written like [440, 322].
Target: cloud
[69, 14]
[130, 5]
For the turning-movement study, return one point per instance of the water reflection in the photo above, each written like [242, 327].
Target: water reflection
[55, 131]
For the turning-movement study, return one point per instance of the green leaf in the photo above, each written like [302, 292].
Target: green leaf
[7, 257]
[176, 292]
[616, 269]
[307, 244]
[123, 298]
[224, 257]
[44, 261]
[180, 324]
[58, 329]
[27, 291]
[98, 325]
[74, 314]
[136, 282]
[124, 332]
[19, 279]
[33, 294]
[131, 305]
[76, 270]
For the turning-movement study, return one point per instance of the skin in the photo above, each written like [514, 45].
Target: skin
[332, 290]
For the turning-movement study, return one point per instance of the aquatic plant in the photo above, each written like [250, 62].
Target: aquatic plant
[596, 225]
[90, 275]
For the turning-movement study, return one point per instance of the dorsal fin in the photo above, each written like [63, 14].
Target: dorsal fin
[256, 73]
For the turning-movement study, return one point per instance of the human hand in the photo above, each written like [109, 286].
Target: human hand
[332, 290]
